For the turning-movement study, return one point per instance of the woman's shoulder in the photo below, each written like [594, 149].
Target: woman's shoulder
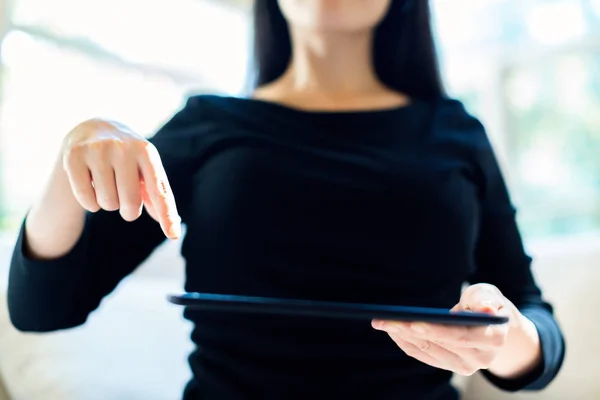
[454, 113]
[453, 119]
[202, 109]
[199, 115]
[217, 106]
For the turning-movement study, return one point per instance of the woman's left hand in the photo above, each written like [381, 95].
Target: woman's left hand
[460, 349]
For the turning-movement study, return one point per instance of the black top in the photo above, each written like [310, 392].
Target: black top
[400, 206]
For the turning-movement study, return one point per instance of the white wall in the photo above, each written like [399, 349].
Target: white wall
[569, 273]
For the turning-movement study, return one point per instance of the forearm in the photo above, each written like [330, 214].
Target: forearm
[55, 222]
[522, 351]
[46, 295]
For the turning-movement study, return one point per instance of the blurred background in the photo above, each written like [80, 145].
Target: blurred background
[529, 69]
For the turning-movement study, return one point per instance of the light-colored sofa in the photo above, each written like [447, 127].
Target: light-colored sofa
[135, 345]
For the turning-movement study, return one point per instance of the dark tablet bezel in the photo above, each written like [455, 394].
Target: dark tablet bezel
[325, 309]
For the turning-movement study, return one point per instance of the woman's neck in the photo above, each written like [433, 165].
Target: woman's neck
[334, 63]
[331, 71]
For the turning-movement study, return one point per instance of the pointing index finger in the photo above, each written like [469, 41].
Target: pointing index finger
[161, 195]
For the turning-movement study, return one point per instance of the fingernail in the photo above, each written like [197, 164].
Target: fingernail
[175, 230]
[377, 324]
[488, 306]
[418, 328]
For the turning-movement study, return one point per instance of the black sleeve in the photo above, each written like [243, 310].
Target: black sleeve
[61, 293]
[501, 260]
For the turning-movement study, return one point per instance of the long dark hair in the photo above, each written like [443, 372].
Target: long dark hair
[404, 54]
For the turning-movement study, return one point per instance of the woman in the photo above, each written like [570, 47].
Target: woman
[347, 176]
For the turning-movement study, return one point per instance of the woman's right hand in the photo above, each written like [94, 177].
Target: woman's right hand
[112, 168]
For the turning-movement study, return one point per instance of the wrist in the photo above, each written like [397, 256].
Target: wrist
[522, 351]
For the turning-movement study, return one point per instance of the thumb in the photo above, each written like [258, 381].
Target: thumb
[481, 298]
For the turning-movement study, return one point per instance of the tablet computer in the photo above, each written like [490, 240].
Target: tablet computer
[326, 309]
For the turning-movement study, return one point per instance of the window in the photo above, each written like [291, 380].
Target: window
[530, 69]
[554, 126]
[137, 65]
[535, 86]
